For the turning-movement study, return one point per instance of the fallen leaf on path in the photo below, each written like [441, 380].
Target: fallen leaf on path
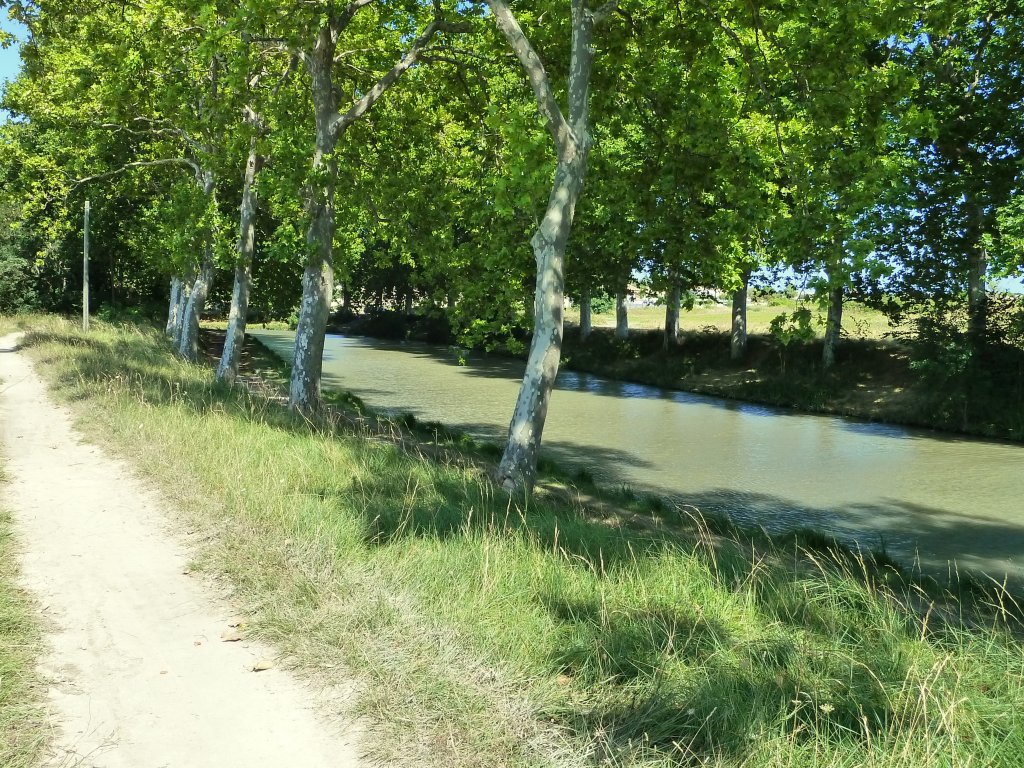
[262, 665]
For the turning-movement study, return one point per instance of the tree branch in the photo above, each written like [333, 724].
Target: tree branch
[340, 123]
[139, 164]
[508, 25]
[345, 18]
[604, 11]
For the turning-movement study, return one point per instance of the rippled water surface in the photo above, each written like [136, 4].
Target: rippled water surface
[921, 494]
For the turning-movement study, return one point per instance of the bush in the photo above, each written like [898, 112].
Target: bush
[602, 303]
[789, 328]
[972, 383]
[17, 284]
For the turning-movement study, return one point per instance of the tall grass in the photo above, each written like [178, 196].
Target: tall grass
[22, 730]
[488, 631]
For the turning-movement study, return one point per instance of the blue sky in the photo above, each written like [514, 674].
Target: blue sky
[9, 60]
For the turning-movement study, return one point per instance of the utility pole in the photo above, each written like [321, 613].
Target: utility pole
[85, 271]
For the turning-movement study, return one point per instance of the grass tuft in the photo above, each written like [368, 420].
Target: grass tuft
[22, 728]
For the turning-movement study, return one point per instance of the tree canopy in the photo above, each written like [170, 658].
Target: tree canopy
[405, 154]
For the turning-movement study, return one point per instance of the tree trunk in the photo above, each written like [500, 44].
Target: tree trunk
[173, 308]
[977, 296]
[518, 468]
[621, 316]
[179, 314]
[586, 316]
[673, 299]
[227, 370]
[318, 276]
[188, 347]
[833, 327]
[738, 339]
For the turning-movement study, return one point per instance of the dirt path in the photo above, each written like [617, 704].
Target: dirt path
[138, 674]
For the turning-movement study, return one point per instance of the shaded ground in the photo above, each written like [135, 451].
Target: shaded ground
[916, 536]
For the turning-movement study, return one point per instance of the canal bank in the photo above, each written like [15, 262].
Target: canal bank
[486, 630]
[923, 497]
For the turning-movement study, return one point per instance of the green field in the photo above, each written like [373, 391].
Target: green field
[858, 321]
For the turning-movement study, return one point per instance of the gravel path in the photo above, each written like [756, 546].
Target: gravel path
[138, 673]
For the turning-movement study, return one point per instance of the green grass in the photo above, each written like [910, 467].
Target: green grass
[22, 730]
[859, 322]
[274, 325]
[486, 632]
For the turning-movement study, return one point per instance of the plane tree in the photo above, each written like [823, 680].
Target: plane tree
[944, 224]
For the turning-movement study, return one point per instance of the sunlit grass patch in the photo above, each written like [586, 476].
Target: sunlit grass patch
[488, 631]
[22, 728]
[860, 321]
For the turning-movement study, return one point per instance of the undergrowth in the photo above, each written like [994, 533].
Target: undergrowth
[489, 631]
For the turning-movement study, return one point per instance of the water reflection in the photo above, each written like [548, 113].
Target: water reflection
[924, 495]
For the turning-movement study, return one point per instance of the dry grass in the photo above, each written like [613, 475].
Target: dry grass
[859, 321]
[485, 632]
[22, 729]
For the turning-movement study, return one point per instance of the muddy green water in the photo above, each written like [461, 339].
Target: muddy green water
[925, 496]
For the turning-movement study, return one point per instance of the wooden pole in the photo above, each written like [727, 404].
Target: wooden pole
[85, 270]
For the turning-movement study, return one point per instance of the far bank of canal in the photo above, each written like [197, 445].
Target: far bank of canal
[921, 495]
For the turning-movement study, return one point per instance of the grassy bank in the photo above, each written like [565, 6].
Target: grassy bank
[22, 730]
[571, 630]
[874, 379]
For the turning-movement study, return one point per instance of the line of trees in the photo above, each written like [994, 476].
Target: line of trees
[485, 159]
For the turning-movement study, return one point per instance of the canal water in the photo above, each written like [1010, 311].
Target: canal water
[923, 496]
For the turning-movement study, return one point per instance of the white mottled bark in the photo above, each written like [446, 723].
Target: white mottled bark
[518, 467]
[188, 347]
[173, 308]
[621, 316]
[318, 276]
[179, 314]
[673, 300]
[586, 315]
[833, 327]
[738, 338]
[227, 369]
